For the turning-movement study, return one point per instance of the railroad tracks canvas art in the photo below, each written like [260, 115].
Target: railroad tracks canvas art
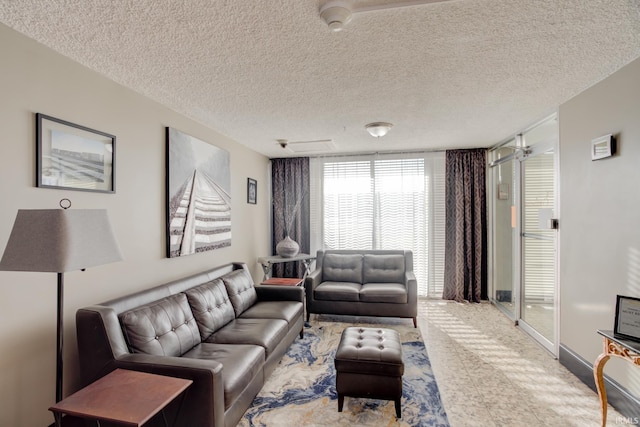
[198, 195]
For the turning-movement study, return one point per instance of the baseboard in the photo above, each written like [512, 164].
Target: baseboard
[617, 395]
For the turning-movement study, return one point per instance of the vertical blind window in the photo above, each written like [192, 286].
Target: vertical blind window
[385, 203]
[348, 205]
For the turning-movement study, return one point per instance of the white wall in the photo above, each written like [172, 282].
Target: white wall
[600, 223]
[36, 79]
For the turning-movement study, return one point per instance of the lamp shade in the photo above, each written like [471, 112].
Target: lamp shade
[60, 240]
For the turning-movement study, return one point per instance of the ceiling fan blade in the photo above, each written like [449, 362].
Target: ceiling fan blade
[395, 5]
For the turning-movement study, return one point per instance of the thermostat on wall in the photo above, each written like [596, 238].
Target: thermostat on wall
[602, 147]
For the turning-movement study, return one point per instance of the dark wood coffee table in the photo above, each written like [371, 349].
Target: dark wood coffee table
[130, 398]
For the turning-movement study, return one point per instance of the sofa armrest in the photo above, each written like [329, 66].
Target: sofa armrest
[410, 281]
[100, 341]
[279, 293]
[181, 367]
[204, 402]
[412, 293]
[313, 280]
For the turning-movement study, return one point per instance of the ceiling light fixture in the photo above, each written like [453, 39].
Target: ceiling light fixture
[378, 129]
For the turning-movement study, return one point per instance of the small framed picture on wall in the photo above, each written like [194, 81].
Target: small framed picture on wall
[252, 191]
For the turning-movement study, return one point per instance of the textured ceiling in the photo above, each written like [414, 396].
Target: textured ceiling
[461, 73]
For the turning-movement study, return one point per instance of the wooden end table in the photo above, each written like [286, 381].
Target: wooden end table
[283, 281]
[130, 398]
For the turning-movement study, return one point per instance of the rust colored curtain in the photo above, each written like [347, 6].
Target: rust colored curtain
[465, 265]
[290, 209]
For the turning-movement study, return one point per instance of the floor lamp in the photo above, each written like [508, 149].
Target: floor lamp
[60, 240]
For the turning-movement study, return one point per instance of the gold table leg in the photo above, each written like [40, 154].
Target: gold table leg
[598, 376]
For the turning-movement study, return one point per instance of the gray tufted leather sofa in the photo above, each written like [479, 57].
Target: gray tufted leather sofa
[215, 328]
[363, 283]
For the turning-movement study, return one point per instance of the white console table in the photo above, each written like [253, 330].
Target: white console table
[268, 261]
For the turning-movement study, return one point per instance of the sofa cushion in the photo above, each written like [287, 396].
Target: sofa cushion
[240, 364]
[285, 310]
[211, 307]
[388, 268]
[394, 293]
[240, 289]
[164, 328]
[337, 291]
[342, 268]
[267, 333]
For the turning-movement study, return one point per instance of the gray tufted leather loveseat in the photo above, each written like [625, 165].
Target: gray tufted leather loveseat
[214, 328]
[363, 283]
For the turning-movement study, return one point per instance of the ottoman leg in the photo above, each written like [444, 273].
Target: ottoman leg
[340, 402]
[398, 408]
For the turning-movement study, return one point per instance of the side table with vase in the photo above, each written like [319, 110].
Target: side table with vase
[267, 262]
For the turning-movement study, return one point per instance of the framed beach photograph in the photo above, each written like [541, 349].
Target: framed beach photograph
[252, 191]
[73, 157]
[627, 321]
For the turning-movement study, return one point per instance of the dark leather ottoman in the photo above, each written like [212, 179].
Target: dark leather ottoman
[369, 364]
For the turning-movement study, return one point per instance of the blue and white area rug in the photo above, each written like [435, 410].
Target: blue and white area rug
[301, 391]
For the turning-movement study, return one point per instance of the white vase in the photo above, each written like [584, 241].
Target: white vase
[287, 248]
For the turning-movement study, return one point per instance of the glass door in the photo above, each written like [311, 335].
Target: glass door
[504, 243]
[538, 308]
[524, 228]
